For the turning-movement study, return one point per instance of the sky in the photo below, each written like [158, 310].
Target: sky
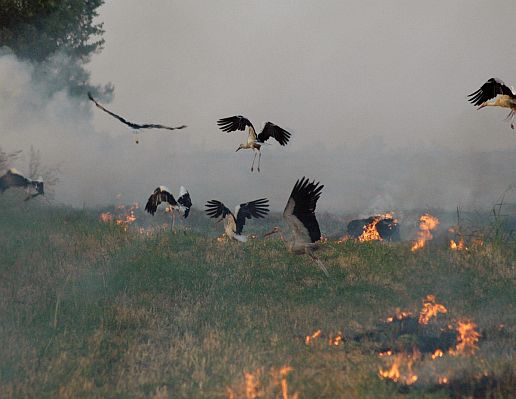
[373, 92]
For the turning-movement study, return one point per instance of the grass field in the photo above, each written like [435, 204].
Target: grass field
[90, 310]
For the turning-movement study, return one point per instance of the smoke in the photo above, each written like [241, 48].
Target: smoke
[383, 124]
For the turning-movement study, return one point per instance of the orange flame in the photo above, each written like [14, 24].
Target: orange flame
[310, 338]
[400, 315]
[437, 353]
[442, 380]
[252, 384]
[427, 223]
[430, 309]
[123, 216]
[370, 232]
[106, 217]
[337, 339]
[401, 369]
[467, 339]
[458, 246]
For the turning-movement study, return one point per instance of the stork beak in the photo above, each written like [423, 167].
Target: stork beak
[238, 149]
[273, 231]
[481, 106]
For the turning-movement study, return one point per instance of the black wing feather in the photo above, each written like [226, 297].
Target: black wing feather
[158, 196]
[305, 196]
[132, 124]
[13, 179]
[492, 88]
[215, 209]
[255, 209]
[274, 131]
[186, 202]
[233, 123]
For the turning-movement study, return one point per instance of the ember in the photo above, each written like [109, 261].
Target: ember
[427, 223]
[430, 309]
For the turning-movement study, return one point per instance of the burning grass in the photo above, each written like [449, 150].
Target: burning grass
[89, 309]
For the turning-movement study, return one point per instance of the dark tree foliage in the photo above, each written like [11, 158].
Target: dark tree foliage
[38, 30]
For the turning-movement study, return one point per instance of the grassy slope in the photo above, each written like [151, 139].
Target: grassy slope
[88, 310]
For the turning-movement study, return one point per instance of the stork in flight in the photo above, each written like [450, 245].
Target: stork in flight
[13, 178]
[254, 142]
[235, 221]
[162, 194]
[300, 217]
[505, 97]
[133, 125]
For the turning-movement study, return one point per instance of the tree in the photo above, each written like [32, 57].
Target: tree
[38, 30]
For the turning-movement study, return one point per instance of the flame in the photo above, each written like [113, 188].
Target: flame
[252, 384]
[386, 353]
[430, 309]
[310, 338]
[467, 338]
[401, 369]
[337, 339]
[400, 315]
[122, 216]
[284, 385]
[437, 353]
[442, 380]
[457, 246]
[427, 223]
[106, 217]
[370, 233]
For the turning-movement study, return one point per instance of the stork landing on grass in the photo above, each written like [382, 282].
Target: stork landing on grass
[135, 126]
[162, 194]
[13, 178]
[300, 217]
[254, 141]
[505, 97]
[235, 221]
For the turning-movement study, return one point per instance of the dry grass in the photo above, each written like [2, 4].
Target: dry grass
[88, 310]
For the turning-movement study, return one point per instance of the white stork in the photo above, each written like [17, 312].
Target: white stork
[300, 217]
[162, 194]
[254, 142]
[235, 221]
[505, 97]
[13, 178]
[132, 125]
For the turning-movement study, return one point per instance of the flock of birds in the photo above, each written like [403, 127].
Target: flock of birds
[299, 212]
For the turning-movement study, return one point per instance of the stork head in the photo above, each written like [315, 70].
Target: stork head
[273, 231]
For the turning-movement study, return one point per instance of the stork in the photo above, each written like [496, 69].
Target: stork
[235, 221]
[162, 194]
[254, 142]
[505, 97]
[13, 178]
[132, 125]
[299, 214]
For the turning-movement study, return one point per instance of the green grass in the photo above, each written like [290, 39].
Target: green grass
[89, 310]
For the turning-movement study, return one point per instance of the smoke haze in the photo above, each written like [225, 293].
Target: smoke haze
[374, 95]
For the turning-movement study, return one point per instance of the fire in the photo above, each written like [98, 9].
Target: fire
[310, 338]
[386, 353]
[400, 315]
[430, 309]
[106, 217]
[284, 385]
[467, 338]
[401, 369]
[437, 353]
[252, 384]
[457, 246]
[123, 216]
[336, 340]
[427, 223]
[370, 232]
[442, 380]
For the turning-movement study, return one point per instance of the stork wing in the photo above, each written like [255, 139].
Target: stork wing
[233, 123]
[161, 194]
[185, 201]
[131, 124]
[300, 211]
[13, 179]
[255, 209]
[215, 209]
[272, 130]
[492, 88]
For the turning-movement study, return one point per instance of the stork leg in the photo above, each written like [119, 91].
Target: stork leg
[259, 158]
[252, 166]
[173, 220]
[319, 263]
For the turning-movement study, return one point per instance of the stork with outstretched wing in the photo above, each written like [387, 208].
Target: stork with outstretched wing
[299, 214]
[505, 97]
[163, 194]
[135, 126]
[254, 141]
[235, 221]
[12, 178]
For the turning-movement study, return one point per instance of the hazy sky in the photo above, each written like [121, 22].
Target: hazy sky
[372, 91]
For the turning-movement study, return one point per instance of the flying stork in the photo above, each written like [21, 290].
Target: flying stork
[13, 178]
[235, 224]
[254, 142]
[132, 125]
[505, 97]
[162, 194]
[300, 217]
